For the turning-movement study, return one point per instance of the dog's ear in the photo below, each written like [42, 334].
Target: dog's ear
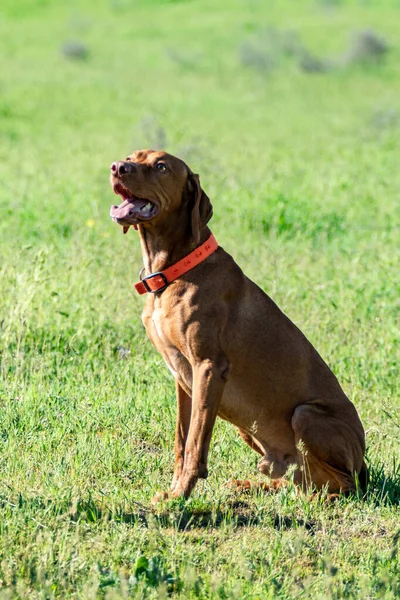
[200, 206]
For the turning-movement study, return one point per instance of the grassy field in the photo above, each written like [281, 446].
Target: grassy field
[295, 130]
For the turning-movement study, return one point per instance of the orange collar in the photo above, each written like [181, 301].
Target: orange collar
[157, 282]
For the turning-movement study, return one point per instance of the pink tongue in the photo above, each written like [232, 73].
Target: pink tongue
[137, 206]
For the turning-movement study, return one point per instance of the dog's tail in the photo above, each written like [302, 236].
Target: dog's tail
[363, 477]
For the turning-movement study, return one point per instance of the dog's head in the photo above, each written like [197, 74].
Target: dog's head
[154, 186]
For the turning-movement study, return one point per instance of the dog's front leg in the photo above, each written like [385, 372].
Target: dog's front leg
[184, 409]
[209, 379]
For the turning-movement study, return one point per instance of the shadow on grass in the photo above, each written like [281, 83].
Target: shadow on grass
[282, 523]
[185, 518]
[383, 489]
[195, 516]
[177, 514]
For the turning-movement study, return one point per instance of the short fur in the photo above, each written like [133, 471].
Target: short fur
[232, 351]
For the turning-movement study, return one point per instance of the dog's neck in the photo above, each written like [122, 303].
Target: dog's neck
[161, 249]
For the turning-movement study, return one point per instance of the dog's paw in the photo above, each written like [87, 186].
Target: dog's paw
[244, 485]
[160, 497]
[238, 485]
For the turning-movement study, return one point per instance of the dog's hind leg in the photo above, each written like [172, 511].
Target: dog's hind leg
[330, 443]
[264, 466]
[250, 441]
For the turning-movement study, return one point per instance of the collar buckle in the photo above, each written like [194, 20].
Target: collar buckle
[159, 274]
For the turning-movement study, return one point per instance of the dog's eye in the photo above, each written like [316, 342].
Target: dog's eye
[161, 167]
[128, 158]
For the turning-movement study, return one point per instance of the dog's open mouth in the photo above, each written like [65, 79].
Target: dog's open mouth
[132, 210]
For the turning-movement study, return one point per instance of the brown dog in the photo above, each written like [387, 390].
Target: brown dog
[232, 352]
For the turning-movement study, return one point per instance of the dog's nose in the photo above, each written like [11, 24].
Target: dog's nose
[121, 168]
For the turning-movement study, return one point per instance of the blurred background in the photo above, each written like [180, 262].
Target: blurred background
[295, 97]
[289, 111]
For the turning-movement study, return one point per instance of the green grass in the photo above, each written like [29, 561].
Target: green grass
[303, 172]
